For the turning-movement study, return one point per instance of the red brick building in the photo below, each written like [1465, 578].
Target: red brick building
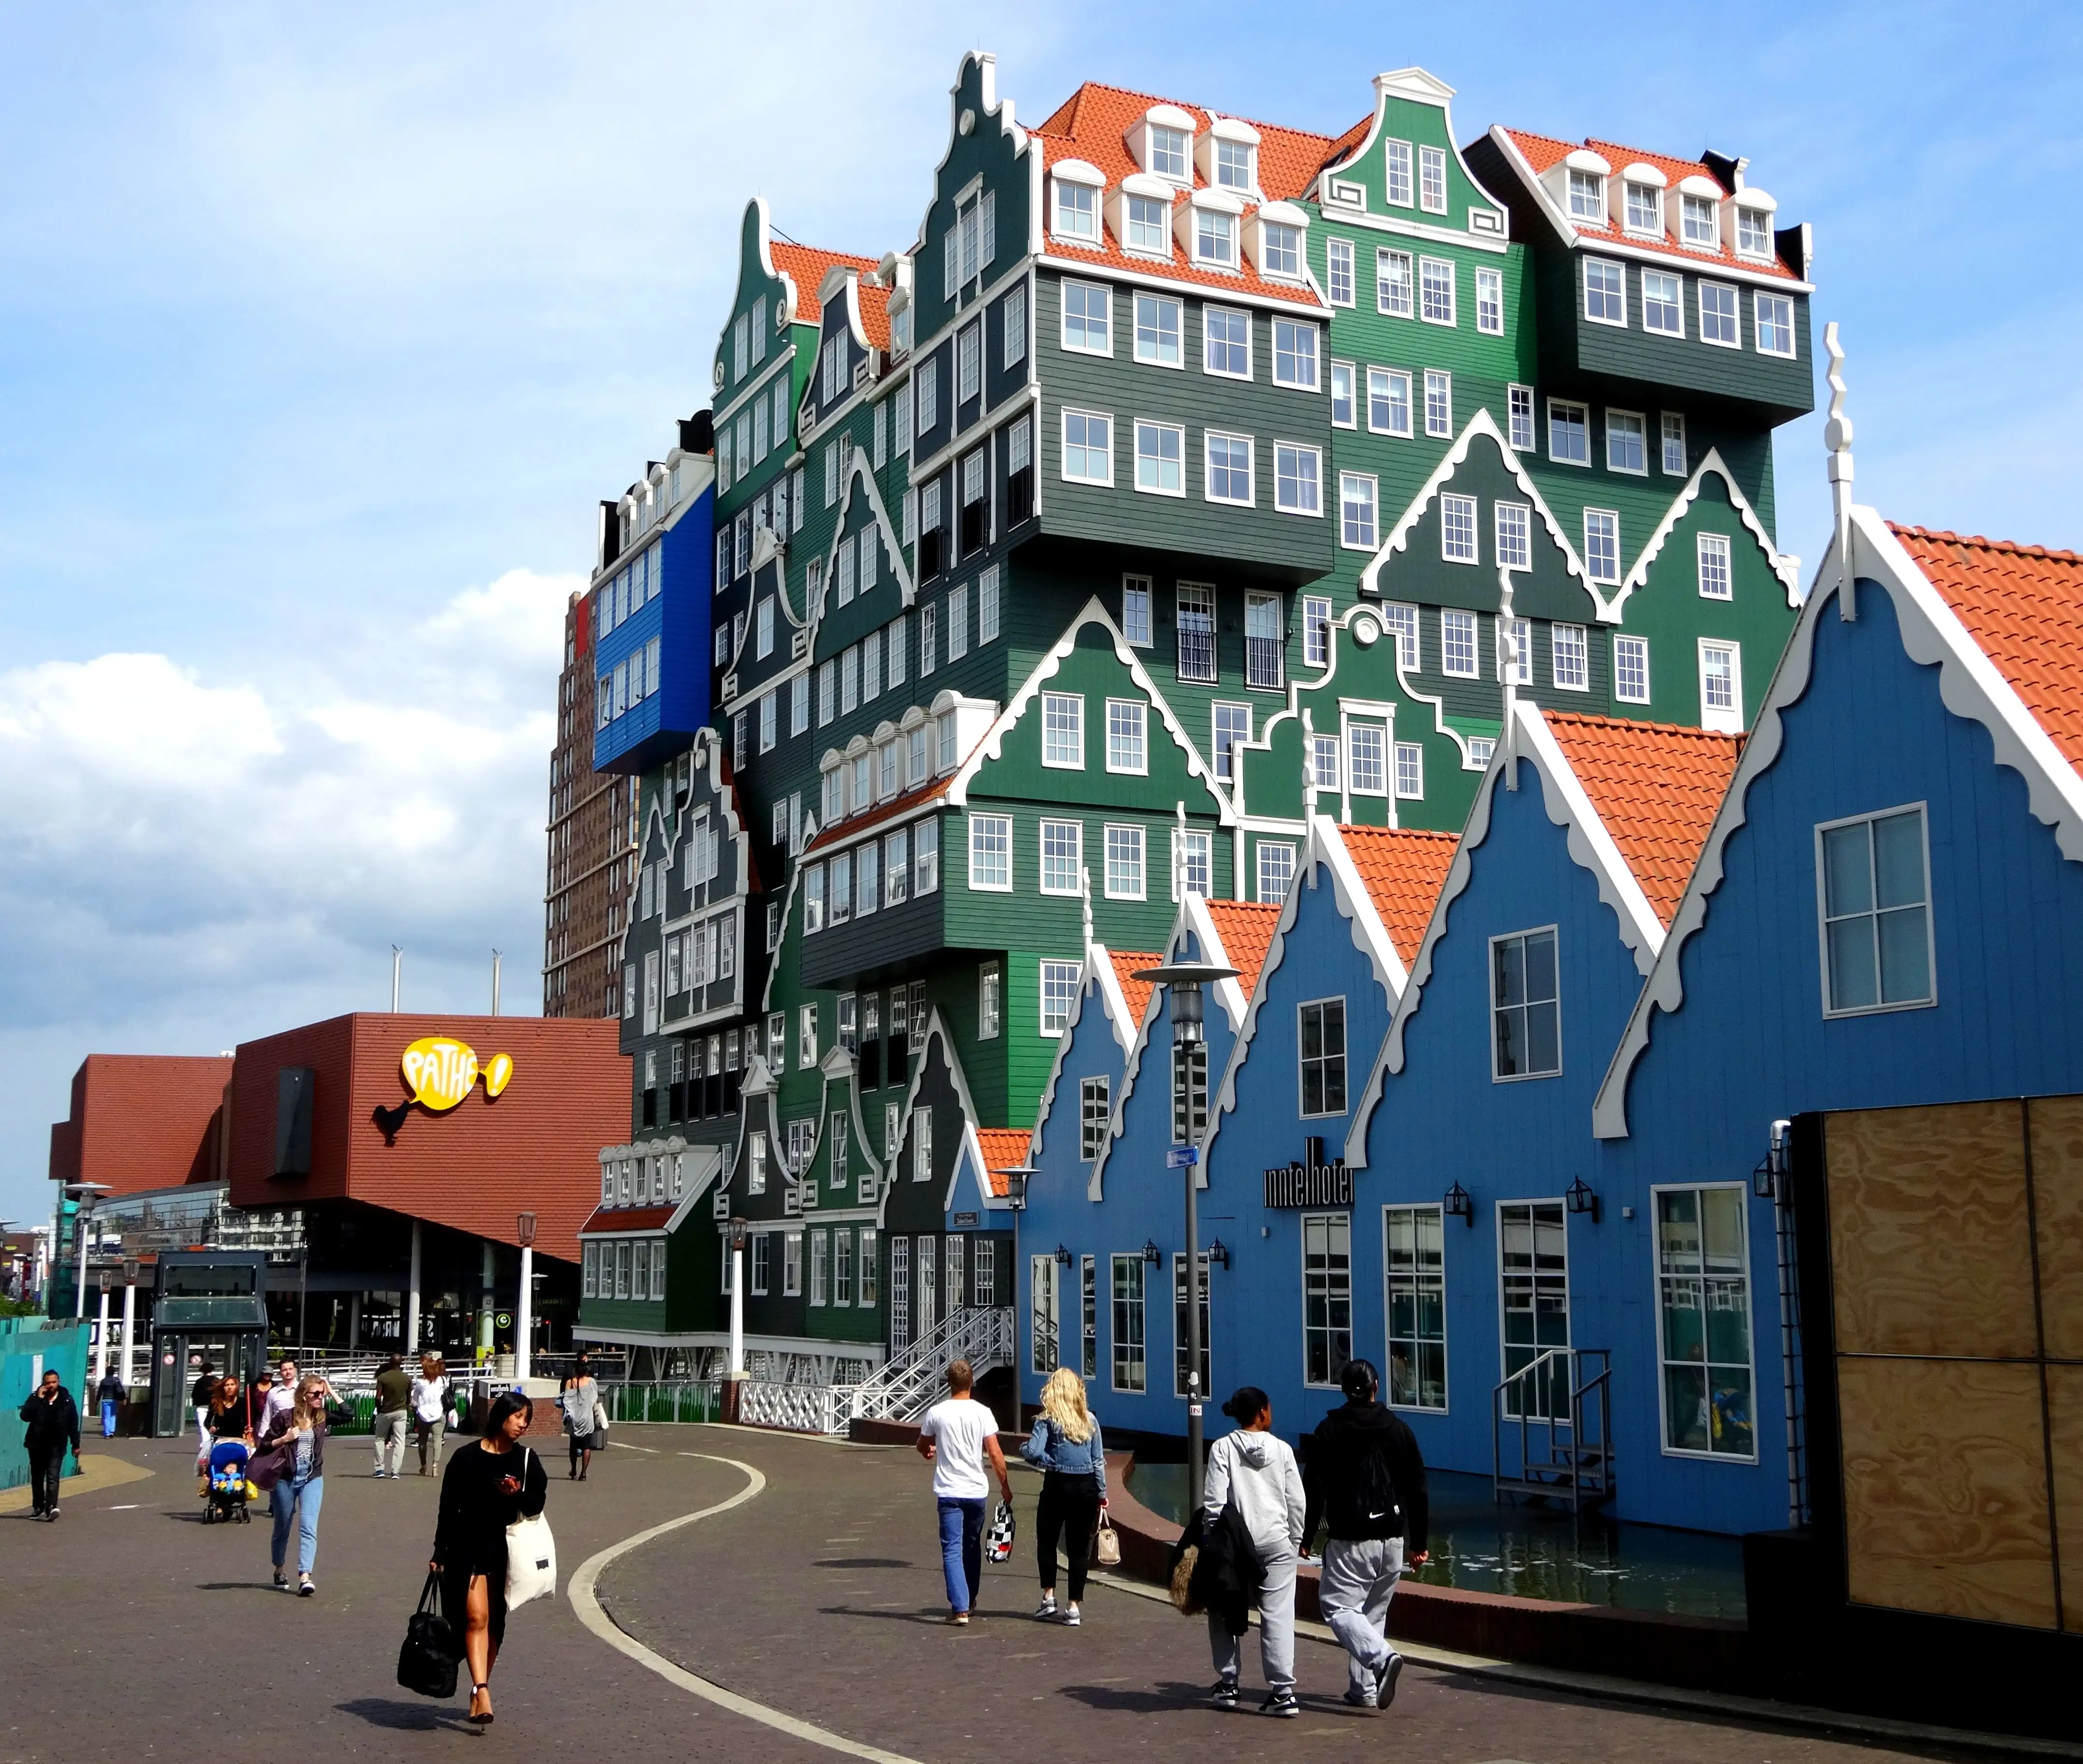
[143, 1121]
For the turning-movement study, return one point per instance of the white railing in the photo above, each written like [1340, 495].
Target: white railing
[909, 1384]
[799, 1408]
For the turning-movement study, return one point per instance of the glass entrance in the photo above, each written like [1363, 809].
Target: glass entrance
[1533, 1272]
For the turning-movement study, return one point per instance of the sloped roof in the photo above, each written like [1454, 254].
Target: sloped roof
[805, 266]
[1403, 869]
[1246, 929]
[874, 300]
[1126, 963]
[2023, 605]
[1657, 788]
[603, 1219]
[1004, 1148]
[853, 826]
[1542, 151]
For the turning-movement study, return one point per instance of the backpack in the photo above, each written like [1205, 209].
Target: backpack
[1374, 1489]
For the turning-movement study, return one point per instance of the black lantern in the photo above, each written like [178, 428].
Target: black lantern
[1063, 1256]
[524, 1230]
[1015, 1188]
[1151, 1253]
[1183, 981]
[1769, 1179]
[1218, 1254]
[1458, 1205]
[1583, 1198]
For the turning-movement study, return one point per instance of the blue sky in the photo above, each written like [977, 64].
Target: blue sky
[320, 340]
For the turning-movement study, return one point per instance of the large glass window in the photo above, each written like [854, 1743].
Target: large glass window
[1323, 1057]
[1327, 1296]
[1129, 1364]
[1533, 1271]
[1525, 1011]
[1414, 1261]
[1876, 913]
[1042, 1320]
[1704, 1312]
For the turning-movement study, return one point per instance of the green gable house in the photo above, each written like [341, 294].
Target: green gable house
[1183, 471]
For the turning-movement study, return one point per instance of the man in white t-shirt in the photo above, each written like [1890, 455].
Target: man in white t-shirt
[956, 1437]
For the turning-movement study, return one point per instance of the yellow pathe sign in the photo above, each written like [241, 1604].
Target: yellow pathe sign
[441, 1071]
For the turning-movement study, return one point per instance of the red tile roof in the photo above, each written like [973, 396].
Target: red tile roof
[1003, 1148]
[2023, 604]
[854, 826]
[1092, 124]
[1246, 930]
[805, 266]
[603, 1219]
[1656, 788]
[1543, 151]
[874, 301]
[1403, 869]
[1126, 963]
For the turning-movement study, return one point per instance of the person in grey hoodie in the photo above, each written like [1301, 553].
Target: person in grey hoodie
[1255, 1470]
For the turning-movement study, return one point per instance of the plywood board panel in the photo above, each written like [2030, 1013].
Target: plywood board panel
[2064, 1391]
[1945, 1489]
[1929, 1248]
[2057, 1182]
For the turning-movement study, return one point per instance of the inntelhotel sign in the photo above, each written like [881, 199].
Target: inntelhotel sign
[1310, 1182]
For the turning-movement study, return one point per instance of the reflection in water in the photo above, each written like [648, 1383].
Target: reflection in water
[1530, 1551]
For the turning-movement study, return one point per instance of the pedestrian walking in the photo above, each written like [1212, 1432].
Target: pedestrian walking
[1066, 1447]
[1254, 1470]
[958, 1436]
[430, 1411]
[585, 1423]
[298, 1434]
[489, 1483]
[394, 1408]
[207, 1384]
[231, 1414]
[282, 1395]
[112, 1394]
[53, 1418]
[1364, 1474]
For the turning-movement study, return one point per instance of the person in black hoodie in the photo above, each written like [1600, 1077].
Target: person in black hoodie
[54, 1423]
[1364, 1474]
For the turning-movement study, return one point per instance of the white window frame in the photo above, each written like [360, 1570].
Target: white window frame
[1250, 444]
[1052, 829]
[1349, 372]
[1052, 703]
[1441, 380]
[1715, 546]
[1432, 190]
[1089, 208]
[1759, 297]
[1657, 1277]
[1343, 1057]
[1520, 419]
[1376, 762]
[1178, 311]
[1328, 1223]
[1577, 644]
[1633, 645]
[1298, 330]
[1259, 853]
[1584, 293]
[1450, 618]
[1512, 532]
[1125, 833]
[1400, 617]
[1419, 1282]
[1603, 514]
[1358, 488]
[1736, 315]
[1394, 283]
[1186, 846]
[1922, 810]
[1670, 431]
[1676, 304]
[1489, 302]
[1451, 315]
[1178, 432]
[1583, 419]
[1337, 250]
[1064, 463]
[1063, 318]
[1064, 974]
[979, 881]
[1119, 713]
[1459, 513]
[1139, 633]
[1641, 420]
[1414, 790]
[1316, 457]
[1250, 343]
[1389, 378]
[1492, 1007]
[1729, 721]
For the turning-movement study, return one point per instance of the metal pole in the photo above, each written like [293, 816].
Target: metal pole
[526, 1318]
[79, 1224]
[397, 965]
[101, 1339]
[494, 982]
[737, 1310]
[129, 1327]
[1194, 1465]
[412, 1298]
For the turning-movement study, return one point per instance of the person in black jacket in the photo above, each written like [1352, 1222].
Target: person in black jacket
[487, 1485]
[53, 1423]
[1364, 1475]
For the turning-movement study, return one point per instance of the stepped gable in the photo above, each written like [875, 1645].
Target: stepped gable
[806, 267]
[2023, 606]
[1657, 788]
[1004, 1148]
[1403, 869]
[1126, 964]
[1246, 930]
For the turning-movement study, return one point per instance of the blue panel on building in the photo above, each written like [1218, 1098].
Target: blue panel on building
[653, 658]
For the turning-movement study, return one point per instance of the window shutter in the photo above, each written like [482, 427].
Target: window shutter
[948, 267]
[988, 226]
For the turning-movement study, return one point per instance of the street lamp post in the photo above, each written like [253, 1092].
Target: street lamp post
[82, 1195]
[1182, 982]
[524, 1234]
[129, 1314]
[734, 1377]
[101, 1330]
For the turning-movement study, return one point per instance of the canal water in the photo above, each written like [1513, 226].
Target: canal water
[1533, 1550]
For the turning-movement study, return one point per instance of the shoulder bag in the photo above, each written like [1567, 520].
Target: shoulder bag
[427, 1660]
[531, 1552]
[1106, 1544]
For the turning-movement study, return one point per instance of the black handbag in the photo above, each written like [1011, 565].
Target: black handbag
[427, 1661]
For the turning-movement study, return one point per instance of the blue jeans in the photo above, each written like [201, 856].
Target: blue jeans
[297, 1499]
[961, 1549]
[108, 1417]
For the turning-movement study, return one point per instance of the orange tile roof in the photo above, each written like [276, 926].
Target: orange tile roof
[2023, 604]
[1092, 124]
[851, 828]
[1136, 992]
[1543, 151]
[805, 266]
[1246, 930]
[1403, 869]
[874, 299]
[1656, 788]
[1003, 1148]
[626, 1219]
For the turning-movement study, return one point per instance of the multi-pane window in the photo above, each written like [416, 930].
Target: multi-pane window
[1525, 1015]
[1342, 414]
[1094, 1114]
[1232, 727]
[1316, 630]
[1062, 855]
[1149, 224]
[1753, 232]
[821, 1266]
[1435, 289]
[1457, 644]
[1181, 1328]
[1587, 197]
[1662, 304]
[1327, 1296]
[1077, 210]
[1228, 468]
[1721, 687]
[1367, 773]
[1414, 1265]
[1489, 301]
[1626, 442]
[1135, 611]
[1060, 991]
[1775, 324]
[1157, 329]
[1295, 354]
[1013, 346]
[1276, 871]
[991, 1001]
[1167, 151]
[1395, 172]
[1323, 761]
[1457, 530]
[1088, 447]
[1515, 651]
[1673, 444]
[1298, 478]
[1645, 207]
[1233, 164]
[1194, 619]
[1605, 291]
[1225, 342]
[1129, 1367]
[1087, 321]
[1602, 545]
[1432, 179]
[1514, 525]
[1876, 912]
[990, 852]
[1356, 506]
[1392, 283]
[968, 363]
[1280, 249]
[1339, 272]
[836, 1136]
[1569, 433]
[1193, 863]
[1704, 1317]
[1388, 401]
[1439, 403]
[1569, 650]
[1322, 1053]
[1697, 219]
[1215, 237]
[1409, 771]
[1127, 747]
[1631, 669]
[1717, 315]
[1716, 581]
[1533, 1278]
[1160, 459]
[1124, 863]
[1520, 400]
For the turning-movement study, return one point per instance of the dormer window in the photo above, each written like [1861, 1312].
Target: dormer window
[1168, 148]
[1645, 209]
[1697, 214]
[1587, 197]
[1215, 238]
[1149, 224]
[1283, 251]
[1753, 231]
[1077, 205]
[1233, 164]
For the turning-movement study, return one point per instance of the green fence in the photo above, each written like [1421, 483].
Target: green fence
[692, 1402]
[30, 1347]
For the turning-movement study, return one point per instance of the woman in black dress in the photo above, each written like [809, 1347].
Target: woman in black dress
[487, 1485]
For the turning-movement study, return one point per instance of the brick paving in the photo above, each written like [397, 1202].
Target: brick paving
[131, 1631]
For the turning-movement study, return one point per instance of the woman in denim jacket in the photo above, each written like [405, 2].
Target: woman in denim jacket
[1066, 1447]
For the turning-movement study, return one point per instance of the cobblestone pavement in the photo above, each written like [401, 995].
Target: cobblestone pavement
[131, 1631]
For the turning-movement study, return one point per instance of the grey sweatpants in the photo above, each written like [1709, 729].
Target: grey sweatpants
[1359, 1580]
[390, 1435]
[1276, 1627]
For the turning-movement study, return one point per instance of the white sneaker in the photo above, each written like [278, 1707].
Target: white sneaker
[1046, 1609]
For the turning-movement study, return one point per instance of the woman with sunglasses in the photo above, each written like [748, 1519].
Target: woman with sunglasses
[489, 1483]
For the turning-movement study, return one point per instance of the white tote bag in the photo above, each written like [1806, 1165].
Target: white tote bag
[531, 1555]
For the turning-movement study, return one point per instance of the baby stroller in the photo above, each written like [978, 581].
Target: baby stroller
[229, 1489]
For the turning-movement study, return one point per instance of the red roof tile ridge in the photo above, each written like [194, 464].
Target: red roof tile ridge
[1180, 103]
[2011, 547]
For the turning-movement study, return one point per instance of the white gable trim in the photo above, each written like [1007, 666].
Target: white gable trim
[1784, 568]
[1100, 977]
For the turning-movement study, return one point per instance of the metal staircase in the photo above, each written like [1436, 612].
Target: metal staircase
[910, 1382]
[1551, 1429]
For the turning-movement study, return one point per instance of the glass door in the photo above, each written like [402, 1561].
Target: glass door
[928, 1259]
[1533, 1272]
